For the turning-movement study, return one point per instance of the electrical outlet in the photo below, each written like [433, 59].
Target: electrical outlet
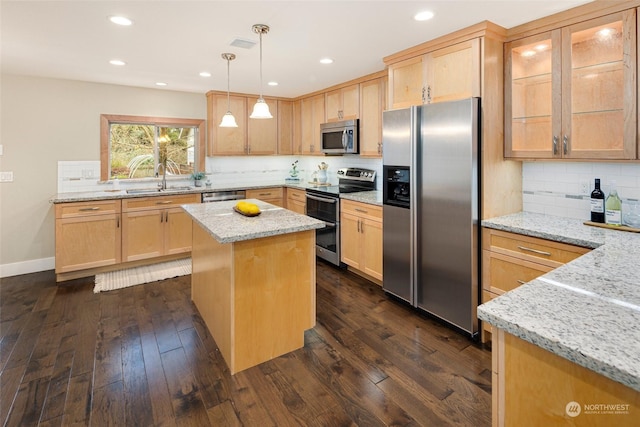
[6, 176]
[585, 187]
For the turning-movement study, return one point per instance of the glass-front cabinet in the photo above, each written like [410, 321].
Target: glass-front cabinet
[571, 92]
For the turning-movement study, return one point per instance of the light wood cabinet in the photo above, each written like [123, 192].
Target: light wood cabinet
[521, 370]
[296, 200]
[273, 195]
[570, 92]
[361, 237]
[87, 235]
[372, 104]
[510, 260]
[226, 141]
[262, 134]
[156, 226]
[406, 83]
[285, 127]
[453, 72]
[312, 115]
[446, 74]
[343, 103]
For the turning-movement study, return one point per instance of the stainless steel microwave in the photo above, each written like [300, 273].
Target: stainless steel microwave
[339, 137]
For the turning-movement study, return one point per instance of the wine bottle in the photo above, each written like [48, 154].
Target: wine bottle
[613, 206]
[597, 203]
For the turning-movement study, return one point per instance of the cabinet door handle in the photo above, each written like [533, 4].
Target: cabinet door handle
[424, 101]
[161, 217]
[429, 94]
[565, 145]
[117, 221]
[93, 208]
[522, 282]
[166, 217]
[535, 251]
[361, 210]
[166, 202]
[555, 145]
[379, 147]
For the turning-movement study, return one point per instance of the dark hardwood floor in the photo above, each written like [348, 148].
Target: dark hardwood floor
[142, 356]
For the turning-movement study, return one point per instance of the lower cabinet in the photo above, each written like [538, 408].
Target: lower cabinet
[297, 200]
[87, 235]
[510, 260]
[155, 226]
[273, 195]
[361, 237]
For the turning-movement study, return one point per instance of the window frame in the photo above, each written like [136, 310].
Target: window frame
[105, 145]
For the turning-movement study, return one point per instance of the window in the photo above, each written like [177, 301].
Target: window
[135, 146]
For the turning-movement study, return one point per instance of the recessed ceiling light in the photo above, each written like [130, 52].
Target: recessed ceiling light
[121, 20]
[541, 47]
[117, 62]
[605, 32]
[273, 83]
[205, 74]
[161, 84]
[423, 16]
[528, 53]
[326, 61]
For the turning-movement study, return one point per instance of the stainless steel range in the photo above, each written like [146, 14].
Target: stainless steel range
[323, 203]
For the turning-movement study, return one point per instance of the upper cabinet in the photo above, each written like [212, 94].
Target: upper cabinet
[262, 134]
[343, 103]
[285, 127]
[312, 115]
[571, 92]
[445, 74]
[226, 141]
[372, 103]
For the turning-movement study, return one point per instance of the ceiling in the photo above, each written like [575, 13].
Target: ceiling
[173, 41]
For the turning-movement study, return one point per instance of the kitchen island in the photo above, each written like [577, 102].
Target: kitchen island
[566, 347]
[253, 279]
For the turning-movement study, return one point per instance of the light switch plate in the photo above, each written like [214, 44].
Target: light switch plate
[6, 176]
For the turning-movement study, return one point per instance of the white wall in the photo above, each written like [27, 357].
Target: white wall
[46, 120]
[563, 188]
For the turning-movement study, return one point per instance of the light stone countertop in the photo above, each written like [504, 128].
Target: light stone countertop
[228, 226]
[370, 197]
[587, 311]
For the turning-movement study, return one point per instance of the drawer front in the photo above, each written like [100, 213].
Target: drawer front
[361, 209]
[75, 209]
[265, 193]
[158, 202]
[502, 273]
[550, 253]
[294, 194]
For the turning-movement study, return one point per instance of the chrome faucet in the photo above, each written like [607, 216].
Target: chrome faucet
[163, 184]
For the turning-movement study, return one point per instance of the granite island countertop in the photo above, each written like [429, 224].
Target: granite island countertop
[588, 310]
[228, 226]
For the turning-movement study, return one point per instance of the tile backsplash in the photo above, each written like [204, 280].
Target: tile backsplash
[78, 175]
[564, 188]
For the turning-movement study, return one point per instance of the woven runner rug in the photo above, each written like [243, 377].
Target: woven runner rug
[138, 275]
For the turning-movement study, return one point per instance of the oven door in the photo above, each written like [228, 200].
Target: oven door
[325, 208]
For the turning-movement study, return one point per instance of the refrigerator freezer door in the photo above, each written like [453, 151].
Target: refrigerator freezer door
[448, 206]
[397, 265]
[399, 132]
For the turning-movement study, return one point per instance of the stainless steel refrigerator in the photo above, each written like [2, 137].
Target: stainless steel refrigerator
[430, 209]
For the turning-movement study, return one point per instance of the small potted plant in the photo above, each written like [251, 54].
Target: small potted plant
[197, 178]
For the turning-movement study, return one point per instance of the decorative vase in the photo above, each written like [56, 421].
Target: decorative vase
[198, 182]
[322, 176]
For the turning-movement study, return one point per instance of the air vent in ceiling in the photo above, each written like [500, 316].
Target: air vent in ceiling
[242, 43]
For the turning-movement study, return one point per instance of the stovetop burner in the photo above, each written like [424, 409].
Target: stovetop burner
[350, 180]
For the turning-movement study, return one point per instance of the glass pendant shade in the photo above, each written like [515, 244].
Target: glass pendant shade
[228, 121]
[261, 110]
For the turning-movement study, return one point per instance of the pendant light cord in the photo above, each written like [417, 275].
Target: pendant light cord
[261, 63]
[228, 98]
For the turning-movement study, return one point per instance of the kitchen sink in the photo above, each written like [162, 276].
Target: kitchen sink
[156, 190]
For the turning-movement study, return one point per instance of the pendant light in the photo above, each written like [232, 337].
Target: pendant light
[261, 109]
[228, 121]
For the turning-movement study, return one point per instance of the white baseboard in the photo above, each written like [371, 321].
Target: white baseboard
[25, 267]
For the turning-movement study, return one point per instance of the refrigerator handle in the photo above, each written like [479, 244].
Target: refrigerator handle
[413, 200]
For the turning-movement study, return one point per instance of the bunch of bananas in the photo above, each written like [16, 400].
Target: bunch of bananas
[247, 208]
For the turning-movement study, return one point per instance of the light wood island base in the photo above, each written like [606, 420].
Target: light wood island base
[257, 297]
[534, 387]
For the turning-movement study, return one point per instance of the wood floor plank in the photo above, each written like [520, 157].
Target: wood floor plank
[10, 380]
[28, 403]
[26, 340]
[137, 402]
[223, 415]
[45, 352]
[108, 353]
[77, 408]
[158, 391]
[57, 393]
[107, 408]
[163, 326]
